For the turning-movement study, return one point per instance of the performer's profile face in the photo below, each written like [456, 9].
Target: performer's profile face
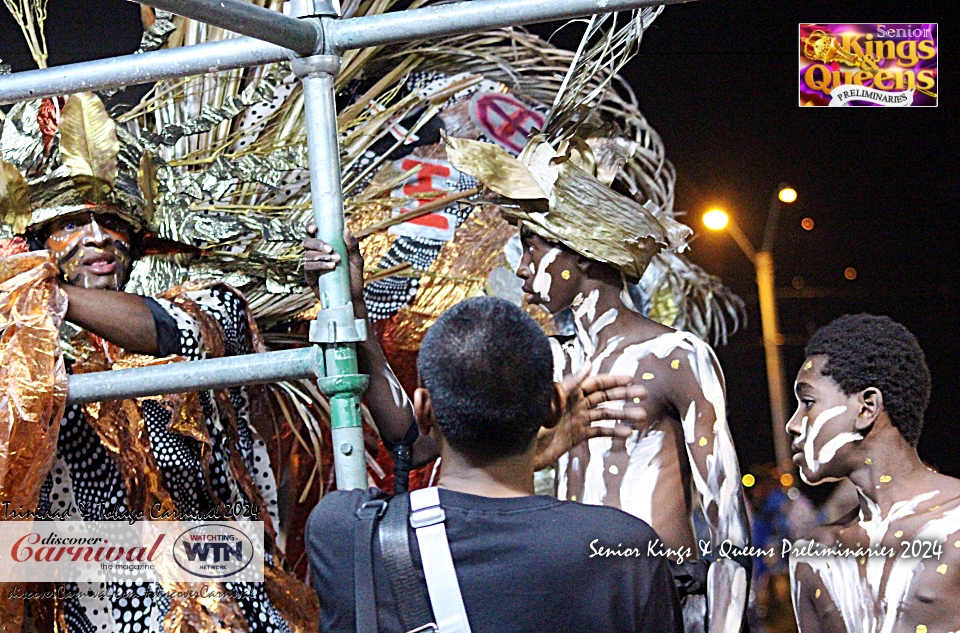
[92, 249]
[823, 427]
[550, 274]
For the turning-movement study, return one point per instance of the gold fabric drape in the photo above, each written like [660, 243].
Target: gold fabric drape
[33, 387]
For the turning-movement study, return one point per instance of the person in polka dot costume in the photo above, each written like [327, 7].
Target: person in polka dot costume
[86, 482]
[198, 463]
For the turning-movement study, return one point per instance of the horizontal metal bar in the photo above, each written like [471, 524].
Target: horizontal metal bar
[129, 70]
[302, 36]
[217, 373]
[463, 17]
[343, 34]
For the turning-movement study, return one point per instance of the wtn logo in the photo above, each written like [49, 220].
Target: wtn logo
[221, 551]
[214, 550]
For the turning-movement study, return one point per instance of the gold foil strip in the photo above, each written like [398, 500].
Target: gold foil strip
[33, 387]
[459, 272]
[122, 430]
[202, 608]
[295, 601]
[564, 203]
[376, 245]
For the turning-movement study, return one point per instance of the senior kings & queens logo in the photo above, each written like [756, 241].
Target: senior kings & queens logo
[868, 65]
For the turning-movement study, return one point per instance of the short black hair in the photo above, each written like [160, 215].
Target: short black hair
[863, 351]
[489, 369]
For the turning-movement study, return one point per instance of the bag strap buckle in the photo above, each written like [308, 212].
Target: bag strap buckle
[373, 508]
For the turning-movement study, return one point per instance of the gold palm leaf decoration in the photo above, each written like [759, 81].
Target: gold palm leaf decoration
[14, 198]
[88, 138]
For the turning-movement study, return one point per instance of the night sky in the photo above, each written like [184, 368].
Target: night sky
[718, 81]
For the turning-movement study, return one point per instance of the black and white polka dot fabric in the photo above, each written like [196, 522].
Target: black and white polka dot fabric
[84, 481]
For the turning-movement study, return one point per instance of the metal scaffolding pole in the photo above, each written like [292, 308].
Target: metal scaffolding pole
[335, 332]
[338, 36]
[198, 375]
[335, 329]
[303, 37]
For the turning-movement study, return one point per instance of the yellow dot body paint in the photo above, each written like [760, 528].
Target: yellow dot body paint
[703, 441]
[817, 594]
[885, 479]
[898, 533]
[647, 376]
[675, 364]
[565, 274]
[942, 569]
[868, 461]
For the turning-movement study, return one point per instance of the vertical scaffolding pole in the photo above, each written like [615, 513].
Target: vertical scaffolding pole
[335, 329]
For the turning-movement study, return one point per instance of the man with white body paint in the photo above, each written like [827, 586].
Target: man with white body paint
[581, 242]
[862, 393]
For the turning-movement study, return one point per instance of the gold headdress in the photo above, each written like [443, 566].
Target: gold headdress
[58, 161]
[576, 208]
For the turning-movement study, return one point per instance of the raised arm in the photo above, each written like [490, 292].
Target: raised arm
[701, 402]
[389, 404]
[392, 410]
[119, 317]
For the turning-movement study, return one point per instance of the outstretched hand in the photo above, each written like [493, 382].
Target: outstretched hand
[582, 396]
[320, 258]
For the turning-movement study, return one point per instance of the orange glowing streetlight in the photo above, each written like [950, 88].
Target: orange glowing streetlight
[787, 195]
[716, 219]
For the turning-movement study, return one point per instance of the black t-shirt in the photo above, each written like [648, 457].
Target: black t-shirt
[524, 565]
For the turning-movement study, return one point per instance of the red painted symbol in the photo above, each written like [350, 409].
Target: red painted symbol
[435, 176]
[504, 119]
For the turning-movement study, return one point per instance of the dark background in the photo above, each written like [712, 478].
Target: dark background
[718, 81]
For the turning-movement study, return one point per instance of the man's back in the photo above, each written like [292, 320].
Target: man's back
[524, 564]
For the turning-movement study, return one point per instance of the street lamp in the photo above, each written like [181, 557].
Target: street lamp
[762, 261]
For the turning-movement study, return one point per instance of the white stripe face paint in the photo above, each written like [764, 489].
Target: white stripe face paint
[809, 456]
[97, 233]
[542, 279]
[830, 449]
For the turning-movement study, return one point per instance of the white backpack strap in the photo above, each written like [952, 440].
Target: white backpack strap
[427, 517]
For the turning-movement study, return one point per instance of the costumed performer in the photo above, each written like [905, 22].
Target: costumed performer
[189, 454]
[582, 243]
[893, 562]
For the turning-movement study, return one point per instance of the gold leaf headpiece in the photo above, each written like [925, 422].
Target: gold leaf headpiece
[14, 198]
[88, 174]
[581, 211]
[88, 138]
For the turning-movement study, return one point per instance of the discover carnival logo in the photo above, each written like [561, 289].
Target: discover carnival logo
[868, 65]
[140, 551]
